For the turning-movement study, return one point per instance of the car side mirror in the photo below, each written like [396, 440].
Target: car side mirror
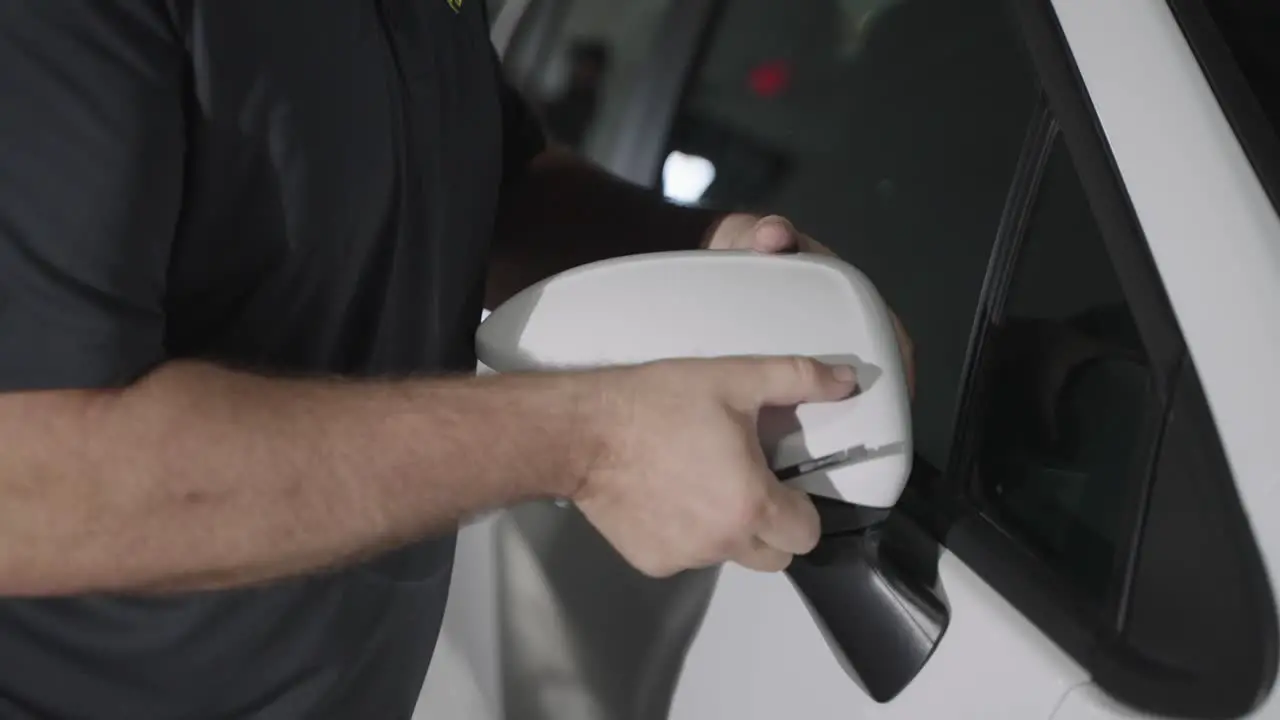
[876, 596]
[717, 303]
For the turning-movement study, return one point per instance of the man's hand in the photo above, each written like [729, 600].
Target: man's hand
[776, 234]
[678, 479]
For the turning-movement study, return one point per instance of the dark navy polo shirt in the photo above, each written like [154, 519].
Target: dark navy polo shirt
[297, 187]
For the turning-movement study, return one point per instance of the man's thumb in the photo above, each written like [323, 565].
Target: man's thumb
[791, 380]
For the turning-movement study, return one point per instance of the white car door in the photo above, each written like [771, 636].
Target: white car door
[1095, 559]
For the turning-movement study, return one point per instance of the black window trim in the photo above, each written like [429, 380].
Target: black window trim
[1011, 568]
[1259, 140]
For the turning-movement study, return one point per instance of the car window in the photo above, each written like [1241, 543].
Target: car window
[1068, 392]
[890, 130]
[578, 61]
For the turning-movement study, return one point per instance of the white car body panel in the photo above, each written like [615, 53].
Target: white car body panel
[1087, 702]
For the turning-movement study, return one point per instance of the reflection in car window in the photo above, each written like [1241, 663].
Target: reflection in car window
[889, 130]
[581, 75]
[1068, 390]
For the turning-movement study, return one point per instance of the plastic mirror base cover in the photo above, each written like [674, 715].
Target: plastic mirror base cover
[721, 303]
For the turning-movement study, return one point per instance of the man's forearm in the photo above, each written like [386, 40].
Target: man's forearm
[197, 477]
[566, 212]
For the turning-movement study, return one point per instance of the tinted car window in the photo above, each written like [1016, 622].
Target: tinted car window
[1069, 391]
[1251, 30]
[1237, 43]
[888, 130]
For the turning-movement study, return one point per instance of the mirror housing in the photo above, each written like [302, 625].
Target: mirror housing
[702, 303]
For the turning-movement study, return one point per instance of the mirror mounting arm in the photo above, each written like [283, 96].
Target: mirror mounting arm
[876, 593]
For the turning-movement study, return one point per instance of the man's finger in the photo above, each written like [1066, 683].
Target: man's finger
[762, 558]
[792, 526]
[788, 380]
[774, 234]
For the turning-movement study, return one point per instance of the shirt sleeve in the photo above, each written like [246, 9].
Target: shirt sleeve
[91, 165]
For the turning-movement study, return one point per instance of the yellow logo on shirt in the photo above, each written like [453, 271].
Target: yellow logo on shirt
[455, 4]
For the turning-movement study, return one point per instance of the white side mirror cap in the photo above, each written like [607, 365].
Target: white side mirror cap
[717, 303]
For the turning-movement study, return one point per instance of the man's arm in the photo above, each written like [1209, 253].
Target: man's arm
[121, 469]
[198, 477]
